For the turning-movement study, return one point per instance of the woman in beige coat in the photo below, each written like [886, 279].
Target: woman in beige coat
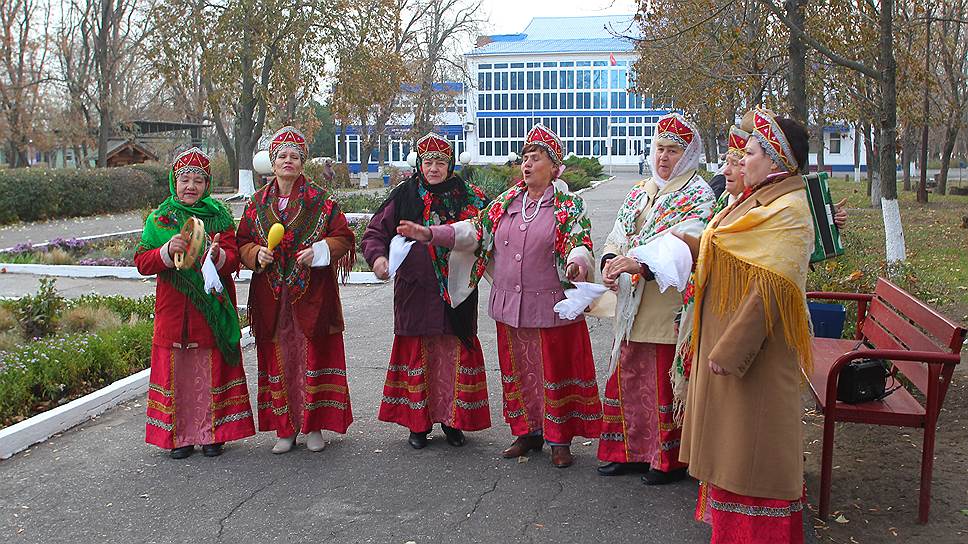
[742, 432]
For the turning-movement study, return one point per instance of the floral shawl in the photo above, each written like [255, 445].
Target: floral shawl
[308, 214]
[688, 209]
[572, 238]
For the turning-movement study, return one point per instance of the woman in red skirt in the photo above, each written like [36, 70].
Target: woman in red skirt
[197, 394]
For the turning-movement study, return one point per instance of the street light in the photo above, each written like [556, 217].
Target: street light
[464, 158]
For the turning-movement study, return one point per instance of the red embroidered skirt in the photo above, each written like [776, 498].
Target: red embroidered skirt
[195, 398]
[435, 379]
[302, 381]
[739, 519]
[548, 379]
[638, 424]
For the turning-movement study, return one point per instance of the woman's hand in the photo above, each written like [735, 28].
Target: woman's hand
[305, 257]
[381, 268]
[414, 231]
[717, 370]
[264, 257]
[213, 252]
[176, 245]
[840, 214]
[572, 271]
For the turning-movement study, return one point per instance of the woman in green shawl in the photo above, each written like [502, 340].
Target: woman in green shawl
[197, 393]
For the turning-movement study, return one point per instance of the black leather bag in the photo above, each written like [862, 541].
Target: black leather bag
[863, 380]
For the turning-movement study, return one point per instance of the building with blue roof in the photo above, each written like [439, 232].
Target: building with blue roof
[574, 75]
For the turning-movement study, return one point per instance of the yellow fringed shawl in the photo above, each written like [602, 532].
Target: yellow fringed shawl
[767, 248]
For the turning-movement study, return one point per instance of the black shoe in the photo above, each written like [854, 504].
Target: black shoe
[182, 452]
[418, 441]
[657, 477]
[212, 450]
[455, 437]
[618, 469]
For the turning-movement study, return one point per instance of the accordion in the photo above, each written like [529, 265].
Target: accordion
[827, 242]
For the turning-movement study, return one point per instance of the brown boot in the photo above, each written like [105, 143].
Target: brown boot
[561, 456]
[522, 445]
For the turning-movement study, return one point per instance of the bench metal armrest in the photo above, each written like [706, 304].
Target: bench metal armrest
[928, 357]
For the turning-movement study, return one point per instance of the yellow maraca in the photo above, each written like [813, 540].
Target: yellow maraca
[276, 231]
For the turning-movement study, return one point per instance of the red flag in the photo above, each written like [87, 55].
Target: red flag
[611, 59]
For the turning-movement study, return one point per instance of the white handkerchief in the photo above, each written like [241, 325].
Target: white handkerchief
[668, 258]
[399, 249]
[210, 275]
[579, 298]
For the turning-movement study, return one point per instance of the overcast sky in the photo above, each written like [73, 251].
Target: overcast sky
[511, 16]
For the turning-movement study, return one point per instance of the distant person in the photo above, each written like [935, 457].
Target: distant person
[436, 370]
[197, 393]
[294, 304]
[328, 174]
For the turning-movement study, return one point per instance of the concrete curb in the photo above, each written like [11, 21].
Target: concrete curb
[595, 184]
[131, 273]
[20, 436]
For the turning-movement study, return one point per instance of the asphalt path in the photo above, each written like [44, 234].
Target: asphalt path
[99, 482]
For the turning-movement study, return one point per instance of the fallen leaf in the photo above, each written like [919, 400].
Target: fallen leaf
[523, 459]
[841, 519]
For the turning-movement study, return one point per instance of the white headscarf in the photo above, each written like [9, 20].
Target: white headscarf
[693, 148]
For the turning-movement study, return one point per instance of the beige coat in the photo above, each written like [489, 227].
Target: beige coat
[743, 432]
[655, 319]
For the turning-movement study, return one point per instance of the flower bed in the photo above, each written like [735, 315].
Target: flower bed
[60, 251]
[54, 350]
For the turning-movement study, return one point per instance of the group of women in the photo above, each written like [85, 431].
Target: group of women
[703, 377]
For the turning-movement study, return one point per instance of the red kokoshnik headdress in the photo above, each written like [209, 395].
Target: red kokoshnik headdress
[544, 137]
[774, 142]
[192, 161]
[736, 143]
[288, 137]
[675, 127]
[434, 146]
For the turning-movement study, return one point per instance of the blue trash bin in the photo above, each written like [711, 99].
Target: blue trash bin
[386, 180]
[827, 319]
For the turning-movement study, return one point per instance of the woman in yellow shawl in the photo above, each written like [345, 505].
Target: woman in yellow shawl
[742, 433]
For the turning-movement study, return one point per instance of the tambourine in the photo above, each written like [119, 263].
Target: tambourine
[194, 231]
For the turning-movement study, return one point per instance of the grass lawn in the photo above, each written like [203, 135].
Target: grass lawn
[936, 270]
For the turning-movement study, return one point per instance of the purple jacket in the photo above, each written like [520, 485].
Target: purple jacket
[418, 309]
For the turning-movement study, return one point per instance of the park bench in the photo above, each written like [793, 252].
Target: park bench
[923, 348]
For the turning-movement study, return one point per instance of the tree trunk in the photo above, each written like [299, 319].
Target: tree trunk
[907, 150]
[871, 155]
[820, 146]
[857, 137]
[887, 159]
[796, 75]
[104, 79]
[950, 134]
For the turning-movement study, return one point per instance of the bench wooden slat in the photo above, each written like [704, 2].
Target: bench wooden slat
[910, 335]
[898, 408]
[946, 331]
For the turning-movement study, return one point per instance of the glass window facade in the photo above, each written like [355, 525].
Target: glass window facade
[587, 102]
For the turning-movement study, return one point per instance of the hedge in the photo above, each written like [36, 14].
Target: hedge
[33, 194]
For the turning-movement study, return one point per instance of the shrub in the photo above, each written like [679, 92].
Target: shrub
[10, 340]
[360, 202]
[491, 178]
[126, 308]
[88, 319]
[592, 167]
[56, 256]
[31, 194]
[38, 313]
[45, 373]
[8, 320]
[576, 179]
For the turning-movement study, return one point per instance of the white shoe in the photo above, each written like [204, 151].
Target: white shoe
[283, 445]
[314, 441]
